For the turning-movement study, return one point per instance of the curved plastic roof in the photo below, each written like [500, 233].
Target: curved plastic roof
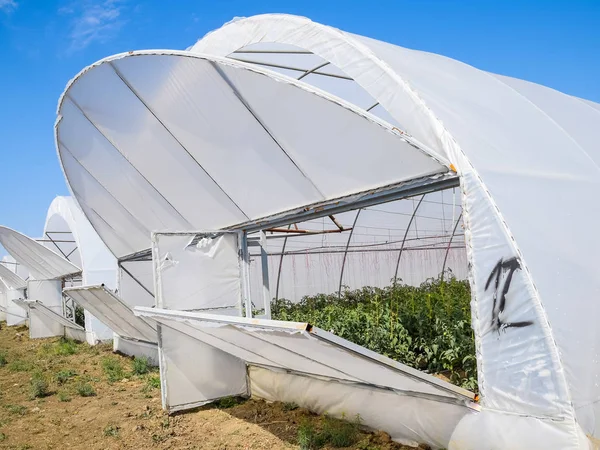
[10, 279]
[173, 140]
[43, 264]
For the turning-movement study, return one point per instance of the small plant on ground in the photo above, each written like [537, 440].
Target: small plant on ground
[65, 347]
[308, 437]
[16, 409]
[290, 406]
[228, 402]
[141, 365]
[340, 433]
[112, 369]
[64, 375]
[86, 390]
[2, 437]
[38, 386]
[2, 360]
[153, 382]
[19, 365]
[64, 397]
[111, 430]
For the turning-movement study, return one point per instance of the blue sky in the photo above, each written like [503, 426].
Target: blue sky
[43, 43]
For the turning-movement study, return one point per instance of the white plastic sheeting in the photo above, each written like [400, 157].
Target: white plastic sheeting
[68, 232]
[528, 160]
[286, 132]
[48, 293]
[3, 292]
[300, 348]
[11, 279]
[201, 271]
[15, 314]
[112, 311]
[42, 263]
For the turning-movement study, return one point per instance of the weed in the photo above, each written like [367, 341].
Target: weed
[290, 406]
[2, 360]
[64, 397]
[65, 347]
[18, 365]
[141, 365]
[340, 433]
[308, 437]
[3, 437]
[112, 369]
[111, 430]
[86, 390]
[64, 375]
[16, 409]
[153, 382]
[228, 402]
[38, 386]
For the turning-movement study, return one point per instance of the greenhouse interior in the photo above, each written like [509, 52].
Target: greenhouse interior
[333, 221]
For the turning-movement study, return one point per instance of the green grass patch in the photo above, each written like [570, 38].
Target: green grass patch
[17, 410]
[66, 347]
[65, 375]
[3, 360]
[111, 430]
[113, 369]
[64, 396]
[141, 365]
[228, 402]
[86, 390]
[38, 386]
[19, 365]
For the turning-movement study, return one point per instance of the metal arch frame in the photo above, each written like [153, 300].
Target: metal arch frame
[346, 252]
[412, 218]
[450, 244]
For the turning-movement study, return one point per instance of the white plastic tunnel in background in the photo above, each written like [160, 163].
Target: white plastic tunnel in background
[68, 232]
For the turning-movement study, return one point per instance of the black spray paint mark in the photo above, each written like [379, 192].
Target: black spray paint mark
[508, 269]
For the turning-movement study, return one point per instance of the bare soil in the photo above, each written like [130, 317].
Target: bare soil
[126, 413]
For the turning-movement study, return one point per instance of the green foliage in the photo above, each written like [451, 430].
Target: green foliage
[112, 369]
[290, 406]
[426, 327]
[141, 365]
[308, 437]
[38, 386]
[16, 409]
[65, 347]
[3, 360]
[19, 365]
[64, 397]
[340, 433]
[64, 375]
[153, 382]
[111, 430]
[79, 316]
[3, 437]
[228, 402]
[86, 390]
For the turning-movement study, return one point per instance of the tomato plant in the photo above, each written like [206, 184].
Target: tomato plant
[427, 327]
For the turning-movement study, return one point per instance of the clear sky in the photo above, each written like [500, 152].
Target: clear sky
[43, 43]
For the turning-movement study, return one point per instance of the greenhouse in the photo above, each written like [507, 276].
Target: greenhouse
[279, 160]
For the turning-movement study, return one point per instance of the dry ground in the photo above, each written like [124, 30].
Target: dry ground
[56, 394]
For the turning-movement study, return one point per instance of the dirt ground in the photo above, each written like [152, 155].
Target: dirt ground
[56, 394]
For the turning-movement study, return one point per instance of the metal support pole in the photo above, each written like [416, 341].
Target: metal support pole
[346, 253]
[405, 235]
[280, 264]
[246, 274]
[450, 244]
[264, 258]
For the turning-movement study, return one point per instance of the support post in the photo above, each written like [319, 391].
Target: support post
[264, 258]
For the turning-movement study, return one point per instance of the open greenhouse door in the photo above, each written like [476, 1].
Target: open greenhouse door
[201, 271]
